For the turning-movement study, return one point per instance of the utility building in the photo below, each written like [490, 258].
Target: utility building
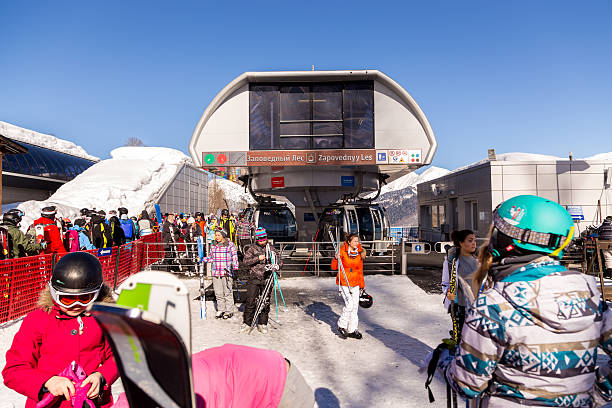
[466, 197]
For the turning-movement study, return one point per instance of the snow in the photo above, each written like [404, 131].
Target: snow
[600, 157]
[533, 157]
[43, 140]
[381, 370]
[234, 193]
[133, 178]
[412, 179]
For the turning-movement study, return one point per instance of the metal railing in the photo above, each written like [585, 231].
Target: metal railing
[299, 258]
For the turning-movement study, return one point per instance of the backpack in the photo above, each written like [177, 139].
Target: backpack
[128, 228]
[4, 243]
[39, 229]
[72, 241]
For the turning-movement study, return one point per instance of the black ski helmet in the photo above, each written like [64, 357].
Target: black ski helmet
[11, 218]
[77, 272]
[49, 212]
[225, 212]
[84, 212]
[365, 300]
[122, 210]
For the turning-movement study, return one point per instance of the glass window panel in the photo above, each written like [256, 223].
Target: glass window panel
[263, 117]
[327, 142]
[294, 103]
[358, 108]
[9, 163]
[294, 143]
[434, 216]
[294, 129]
[327, 128]
[327, 102]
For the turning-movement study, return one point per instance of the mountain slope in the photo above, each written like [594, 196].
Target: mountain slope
[400, 196]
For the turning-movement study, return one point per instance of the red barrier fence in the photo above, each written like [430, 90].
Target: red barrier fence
[22, 279]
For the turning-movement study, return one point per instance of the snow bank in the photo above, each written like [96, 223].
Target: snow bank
[133, 178]
[600, 157]
[43, 140]
[533, 157]
[234, 193]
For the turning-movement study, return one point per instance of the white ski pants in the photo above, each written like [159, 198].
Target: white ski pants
[222, 286]
[349, 319]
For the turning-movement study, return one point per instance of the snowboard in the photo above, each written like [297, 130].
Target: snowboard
[153, 361]
[200, 248]
[162, 294]
[159, 215]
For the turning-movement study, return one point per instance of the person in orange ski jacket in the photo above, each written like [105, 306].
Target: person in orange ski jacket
[351, 255]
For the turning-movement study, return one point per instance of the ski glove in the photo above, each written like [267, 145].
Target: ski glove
[43, 244]
[76, 374]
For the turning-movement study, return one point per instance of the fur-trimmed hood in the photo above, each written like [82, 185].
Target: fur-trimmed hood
[45, 301]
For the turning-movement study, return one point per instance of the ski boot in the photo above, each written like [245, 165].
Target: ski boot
[355, 335]
[342, 333]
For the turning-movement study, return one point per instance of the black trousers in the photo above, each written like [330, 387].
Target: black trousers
[254, 288]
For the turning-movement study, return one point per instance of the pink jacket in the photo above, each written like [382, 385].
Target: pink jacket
[47, 342]
[234, 376]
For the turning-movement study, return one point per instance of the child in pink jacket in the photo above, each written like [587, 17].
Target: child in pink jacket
[60, 332]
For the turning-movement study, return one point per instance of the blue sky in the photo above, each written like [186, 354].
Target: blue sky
[532, 76]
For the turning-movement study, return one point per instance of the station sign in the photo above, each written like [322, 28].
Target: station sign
[575, 211]
[418, 248]
[347, 181]
[277, 182]
[404, 156]
[335, 157]
[105, 252]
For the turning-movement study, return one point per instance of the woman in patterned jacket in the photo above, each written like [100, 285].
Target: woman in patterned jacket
[224, 259]
[531, 336]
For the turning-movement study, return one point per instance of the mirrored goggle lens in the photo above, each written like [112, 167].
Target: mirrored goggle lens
[69, 300]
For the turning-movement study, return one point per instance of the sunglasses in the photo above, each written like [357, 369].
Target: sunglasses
[70, 300]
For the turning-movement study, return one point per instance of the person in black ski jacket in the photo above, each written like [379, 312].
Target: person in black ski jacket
[170, 237]
[260, 269]
[116, 231]
[100, 232]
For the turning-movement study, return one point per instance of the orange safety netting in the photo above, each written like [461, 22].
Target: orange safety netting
[22, 279]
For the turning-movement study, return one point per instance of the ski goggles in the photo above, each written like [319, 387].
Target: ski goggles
[69, 300]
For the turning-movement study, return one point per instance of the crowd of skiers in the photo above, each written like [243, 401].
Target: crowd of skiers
[52, 233]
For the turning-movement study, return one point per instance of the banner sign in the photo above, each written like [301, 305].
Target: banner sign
[333, 157]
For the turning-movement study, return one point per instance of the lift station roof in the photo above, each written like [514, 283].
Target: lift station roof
[335, 131]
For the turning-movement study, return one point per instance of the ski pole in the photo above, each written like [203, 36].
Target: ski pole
[340, 265]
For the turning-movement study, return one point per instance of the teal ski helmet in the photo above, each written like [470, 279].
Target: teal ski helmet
[533, 224]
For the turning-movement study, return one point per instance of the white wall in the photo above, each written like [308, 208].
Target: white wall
[576, 183]
[395, 125]
[228, 127]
